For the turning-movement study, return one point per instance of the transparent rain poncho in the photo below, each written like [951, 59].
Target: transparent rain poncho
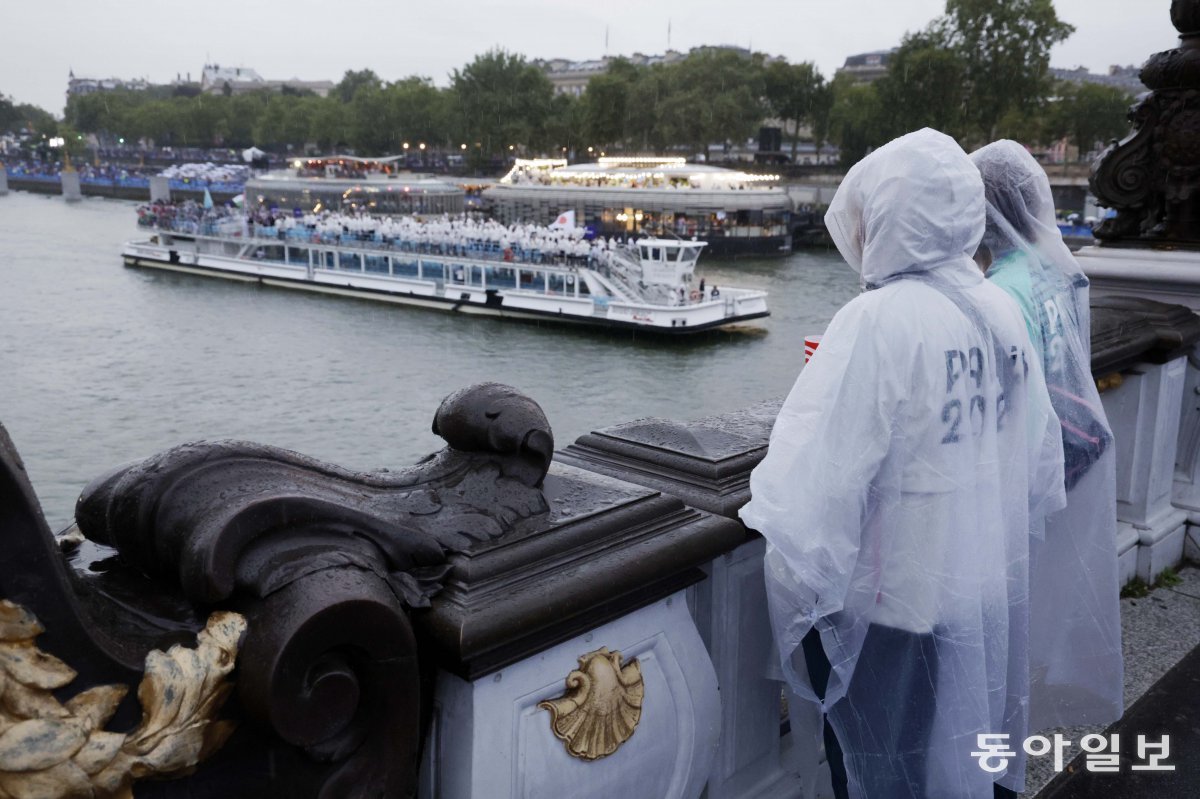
[1076, 674]
[898, 488]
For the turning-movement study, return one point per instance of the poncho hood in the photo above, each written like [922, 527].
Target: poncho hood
[914, 205]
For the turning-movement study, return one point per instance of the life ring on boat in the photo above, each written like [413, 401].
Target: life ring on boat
[694, 296]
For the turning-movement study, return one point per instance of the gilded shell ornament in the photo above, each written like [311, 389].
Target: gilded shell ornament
[601, 707]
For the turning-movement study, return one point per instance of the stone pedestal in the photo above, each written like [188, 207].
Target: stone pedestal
[490, 737]
[3, 181]
[1187, 457]
[1144, 412]
[707, 463]
[71, 190]
[610, 566]
[160, 189]
[750, 762]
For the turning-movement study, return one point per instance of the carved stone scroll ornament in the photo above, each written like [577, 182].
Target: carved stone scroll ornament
[602, 706]
[325, 562]
[1152, 177]
[54, 750]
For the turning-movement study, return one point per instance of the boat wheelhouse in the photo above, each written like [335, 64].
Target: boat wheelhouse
[735, 212]
[646, 285]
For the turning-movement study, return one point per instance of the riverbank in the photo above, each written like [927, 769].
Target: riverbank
[52, 185]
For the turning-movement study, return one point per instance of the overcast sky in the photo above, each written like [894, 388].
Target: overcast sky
[321, 39]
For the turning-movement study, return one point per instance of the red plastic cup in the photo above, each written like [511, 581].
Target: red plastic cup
[810, 346]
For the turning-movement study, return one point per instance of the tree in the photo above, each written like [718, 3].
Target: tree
[605, 105]
[822, 107]
[856, 120]
[1005, 47]
[354, 80]
[286, 120]
[923, 88]
[244, 111]
[796, 94]
[715, 94]
[104, 112]
[420, 112]
[15, 116]
[501, 100]
[329, 124]
[372, 123]
[156, 121]
[565, 127]
[1088, 113]
[644, 108]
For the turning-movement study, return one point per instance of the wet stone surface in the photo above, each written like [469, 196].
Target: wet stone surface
[573, 493]
[1157, 632]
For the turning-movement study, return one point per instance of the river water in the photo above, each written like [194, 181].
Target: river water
[100, 364]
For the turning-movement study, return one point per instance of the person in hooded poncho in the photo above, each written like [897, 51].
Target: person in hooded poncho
[1076, 668]
[898, 489]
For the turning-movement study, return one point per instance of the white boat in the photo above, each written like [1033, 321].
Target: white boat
[647, 285]
[737, 213]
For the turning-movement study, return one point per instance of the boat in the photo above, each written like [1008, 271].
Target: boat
[647, 284]
[737, 213]
[350, 184]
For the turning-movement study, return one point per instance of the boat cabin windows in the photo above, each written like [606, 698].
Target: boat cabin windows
[267, 253]
[531, 280]
[652, 253]
[407, 267]
[500, 277]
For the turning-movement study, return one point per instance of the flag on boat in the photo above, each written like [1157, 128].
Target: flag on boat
[238, 200]
[565, 220]
[208, 203]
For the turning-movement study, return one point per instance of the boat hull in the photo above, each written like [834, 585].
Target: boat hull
[424, 294]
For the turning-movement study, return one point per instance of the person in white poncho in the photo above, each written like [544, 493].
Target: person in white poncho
[905, 471]
[1076, 668]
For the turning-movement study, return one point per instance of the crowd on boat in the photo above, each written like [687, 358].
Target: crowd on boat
[188, 216]
[208, 172]
[443, 235]
[523, 175]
